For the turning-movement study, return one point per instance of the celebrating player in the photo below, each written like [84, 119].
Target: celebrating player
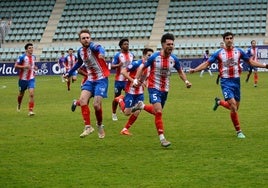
[230, 70]
[160, 64]
[133, 94]
[96, 86]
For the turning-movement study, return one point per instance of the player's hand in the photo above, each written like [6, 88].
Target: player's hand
[135, 82]
[191, 71]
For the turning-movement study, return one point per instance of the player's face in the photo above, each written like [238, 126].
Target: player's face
[253, 44]
[149, 53]
[85, 39]
[228, 40]
[168, 46]
[125, 46]
[29, 50]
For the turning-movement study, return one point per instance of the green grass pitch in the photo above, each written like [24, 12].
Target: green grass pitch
[46, 151]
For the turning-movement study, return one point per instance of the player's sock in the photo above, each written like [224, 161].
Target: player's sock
[149, 108]
[235, 120]
[255, 78]
[98, 114]
[19, 99]
[218, 79]
[31, 106]
[130, 121]
[114, 106]
[122, 105]
[248, 75]
[225, 104]
[86, 114]
[68, 85]
[159, 123]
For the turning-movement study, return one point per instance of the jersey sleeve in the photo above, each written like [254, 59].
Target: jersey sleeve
[116, 59]
[245, 56]
[151, 59]
[213, 58]
[134, 65]
[97, 48]
[177, 64]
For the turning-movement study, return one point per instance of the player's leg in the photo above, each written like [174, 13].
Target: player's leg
[249, 73]
[22, 84]
[100, 92]
[158, 99]
[201, 73]
[86, 93]
[255, 77]
[130, 100]
[118, 87]
[31, 86]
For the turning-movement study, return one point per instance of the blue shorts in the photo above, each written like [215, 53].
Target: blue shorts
[26, 84]
[157, 96]
[231, 88]
[118, 87]
[131, 100]
[74, 73]
[97, 88]
[250, 68]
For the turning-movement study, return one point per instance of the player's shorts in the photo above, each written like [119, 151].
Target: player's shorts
[156, 96]
[74, 73]
[130, 99]
[97, 88]
[250, 68]
[119, 86]
[26, 84]
[62, 70]
[231, 88]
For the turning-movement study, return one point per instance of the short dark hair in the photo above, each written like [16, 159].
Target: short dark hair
[252, 41]
[27, 45]
[227, 34]
[122, 41]
[166, 37]
[145, 50]
[84, 31]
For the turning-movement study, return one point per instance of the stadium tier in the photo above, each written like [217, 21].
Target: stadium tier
[197, 25]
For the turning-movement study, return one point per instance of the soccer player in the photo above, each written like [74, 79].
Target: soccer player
[205, 58]
[230, 70]
[70, 61]
[252, 52]
[96, 86]
[132, 94]
[120, 60]
[60, 62]
[26, 65]
[161, 63]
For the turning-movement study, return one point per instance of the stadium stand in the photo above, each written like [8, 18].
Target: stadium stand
[197, 25]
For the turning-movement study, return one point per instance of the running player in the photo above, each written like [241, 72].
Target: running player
[26, 65]
[120, 60]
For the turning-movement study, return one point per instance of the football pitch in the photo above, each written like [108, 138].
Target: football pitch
[45, 150]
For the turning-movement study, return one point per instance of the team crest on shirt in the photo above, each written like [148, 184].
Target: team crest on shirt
[130, 66]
